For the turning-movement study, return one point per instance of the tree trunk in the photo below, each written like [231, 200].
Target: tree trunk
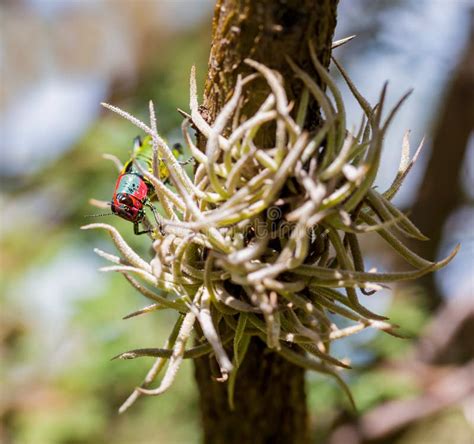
[270, 400]
[441, 189]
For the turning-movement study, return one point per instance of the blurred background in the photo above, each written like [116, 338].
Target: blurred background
[60, 319]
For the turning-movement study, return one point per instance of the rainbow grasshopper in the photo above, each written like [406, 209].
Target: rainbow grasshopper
[133, 191]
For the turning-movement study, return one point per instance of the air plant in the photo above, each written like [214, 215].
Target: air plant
[264, 241]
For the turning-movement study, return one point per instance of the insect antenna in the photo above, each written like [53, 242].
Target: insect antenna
[99, 215]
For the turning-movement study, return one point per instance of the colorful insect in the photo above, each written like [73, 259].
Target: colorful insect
[133, 192]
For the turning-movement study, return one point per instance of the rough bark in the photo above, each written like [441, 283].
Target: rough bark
[441, 189]
[270, 401]
[267, 31]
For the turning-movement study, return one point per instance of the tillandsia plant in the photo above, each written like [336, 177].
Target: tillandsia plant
[264, 241]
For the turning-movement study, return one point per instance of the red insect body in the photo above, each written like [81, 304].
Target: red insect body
[130, 195]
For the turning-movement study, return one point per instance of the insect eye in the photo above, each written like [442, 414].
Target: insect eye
[124, 199]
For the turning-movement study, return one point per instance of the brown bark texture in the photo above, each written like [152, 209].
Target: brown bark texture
[267, 31]
[270, 400]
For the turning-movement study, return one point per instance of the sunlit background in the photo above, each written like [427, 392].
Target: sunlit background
[60, 321]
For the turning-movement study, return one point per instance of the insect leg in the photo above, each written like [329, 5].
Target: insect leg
[137, 142]
[155, 214]
[178, 150]
[185, 162]
[136, 229]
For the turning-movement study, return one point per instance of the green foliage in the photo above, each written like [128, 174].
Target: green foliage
[374, 387]
[77, 401]
[407, 312]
